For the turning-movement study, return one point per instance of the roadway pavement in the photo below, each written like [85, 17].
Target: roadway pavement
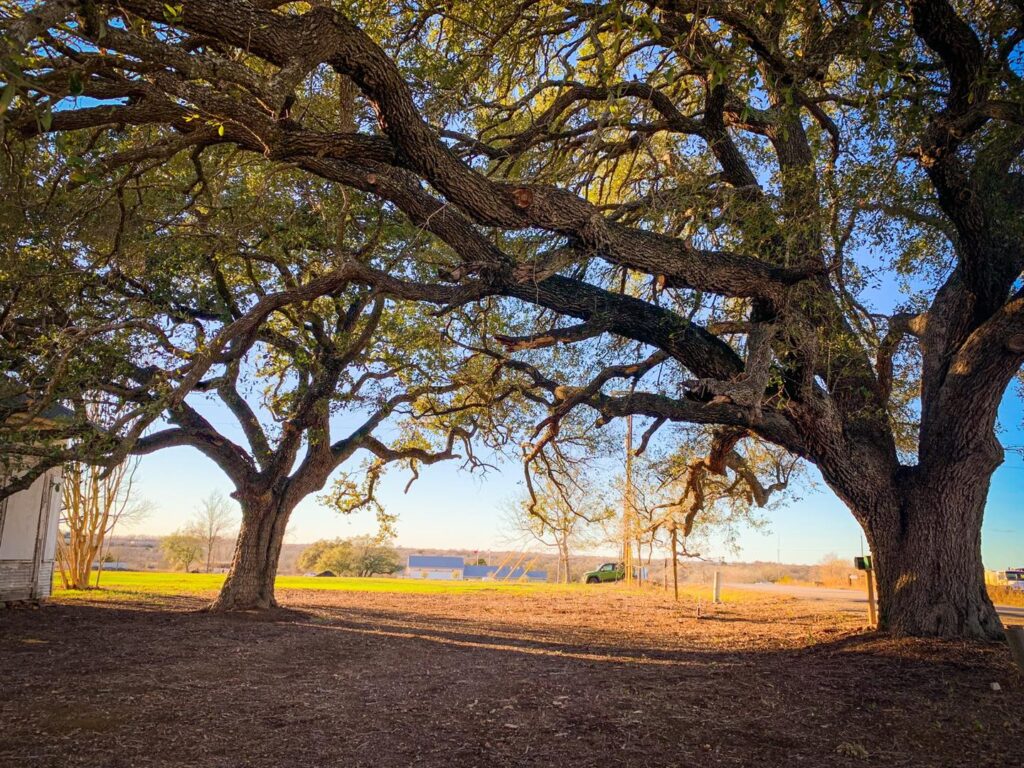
[854, 599]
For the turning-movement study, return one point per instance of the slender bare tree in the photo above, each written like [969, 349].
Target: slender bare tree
[562, 513]
[95, 501]
[211, 523]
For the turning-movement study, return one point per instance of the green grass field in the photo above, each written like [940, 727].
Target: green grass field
[122, 583]
[140, 585]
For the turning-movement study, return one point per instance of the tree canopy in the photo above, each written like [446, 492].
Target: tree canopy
[672, 210]
[358, 556]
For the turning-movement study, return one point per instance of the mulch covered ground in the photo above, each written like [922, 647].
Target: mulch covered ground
[599, 677]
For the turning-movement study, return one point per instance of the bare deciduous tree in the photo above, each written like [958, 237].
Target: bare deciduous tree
[561, 515]
[211, 523]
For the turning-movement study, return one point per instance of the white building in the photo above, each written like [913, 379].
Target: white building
[28, 539]
[435, 567]
[28, 530]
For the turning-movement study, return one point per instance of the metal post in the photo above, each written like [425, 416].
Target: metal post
[1015, 639]
[717, 590]
[675, 572]
[639, 553]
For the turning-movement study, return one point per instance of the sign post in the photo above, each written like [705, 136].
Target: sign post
[864, 564]
[628, 512]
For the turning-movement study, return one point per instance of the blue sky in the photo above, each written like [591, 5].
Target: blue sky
[447, 508]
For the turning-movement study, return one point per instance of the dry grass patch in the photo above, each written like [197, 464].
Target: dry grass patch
[1006, 596]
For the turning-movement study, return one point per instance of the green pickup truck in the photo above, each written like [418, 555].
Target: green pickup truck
[607, 572]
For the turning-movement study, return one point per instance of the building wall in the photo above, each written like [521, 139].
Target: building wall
[16, 580]
[996, 578]
[28, 539]
[19, 522]
[439, 574]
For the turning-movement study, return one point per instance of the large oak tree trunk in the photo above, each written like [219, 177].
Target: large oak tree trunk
[927, 559]
[250, 582]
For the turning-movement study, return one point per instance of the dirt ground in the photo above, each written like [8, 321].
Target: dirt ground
[600, 677]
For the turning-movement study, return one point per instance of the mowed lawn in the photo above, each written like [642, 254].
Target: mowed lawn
[124, 585]
[175, 583]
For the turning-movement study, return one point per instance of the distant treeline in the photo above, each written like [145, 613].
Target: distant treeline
[143, 553]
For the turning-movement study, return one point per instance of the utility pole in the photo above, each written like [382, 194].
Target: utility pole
[628, 513]
[629, 522]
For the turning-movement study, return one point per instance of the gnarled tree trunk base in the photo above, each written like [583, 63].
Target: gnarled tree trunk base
[931, 580]
[250, 582]
[232, 600]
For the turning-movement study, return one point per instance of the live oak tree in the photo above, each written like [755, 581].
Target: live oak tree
[181, 548]
[707, 190]
[243, 305]
[358, 556]
[308, 558]
[318, 380]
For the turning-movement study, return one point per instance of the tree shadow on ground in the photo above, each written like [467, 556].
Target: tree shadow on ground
[391, 682]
